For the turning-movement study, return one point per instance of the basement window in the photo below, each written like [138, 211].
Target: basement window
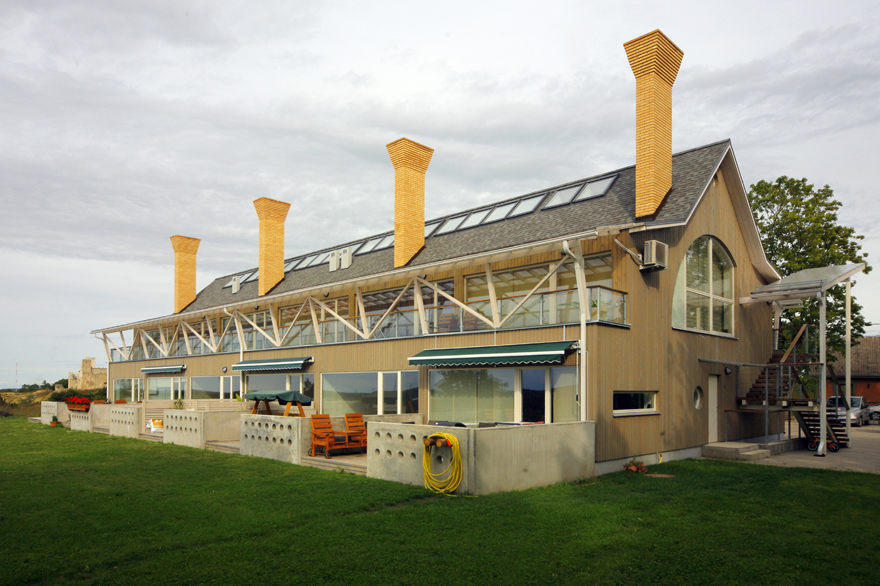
[627, 403]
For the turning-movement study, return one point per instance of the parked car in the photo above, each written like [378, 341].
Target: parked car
[859, 414]
[874, 411]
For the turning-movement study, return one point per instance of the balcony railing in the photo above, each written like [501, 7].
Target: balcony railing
[556, 308]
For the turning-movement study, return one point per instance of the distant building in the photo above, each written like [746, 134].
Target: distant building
[88, 378]
[865, 360]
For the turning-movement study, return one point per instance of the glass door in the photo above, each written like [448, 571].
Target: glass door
[533, 400]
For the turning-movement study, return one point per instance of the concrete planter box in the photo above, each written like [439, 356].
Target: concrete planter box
[49, 409]
[194, 428]
[80, 421]
[494, 459]
[125, 420]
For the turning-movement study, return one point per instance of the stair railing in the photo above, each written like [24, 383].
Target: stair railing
[793, 344]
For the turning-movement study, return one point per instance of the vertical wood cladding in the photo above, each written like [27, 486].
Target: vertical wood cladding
[272, 214]
[410, 160]
[655, 61]
[652, 356]
[185, 249]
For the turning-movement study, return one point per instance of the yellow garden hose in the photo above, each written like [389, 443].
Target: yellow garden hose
[436, 482]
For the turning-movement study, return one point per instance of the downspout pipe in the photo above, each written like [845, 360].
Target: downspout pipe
[582, 345]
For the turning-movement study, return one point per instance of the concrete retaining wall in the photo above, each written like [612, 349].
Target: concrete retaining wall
[100, 415]
[80, 421]
[125, 420]
[494, 459]
[194, 428]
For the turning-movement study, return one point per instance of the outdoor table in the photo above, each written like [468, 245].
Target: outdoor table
[283, 397]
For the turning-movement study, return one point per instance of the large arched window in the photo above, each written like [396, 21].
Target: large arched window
[703, 297]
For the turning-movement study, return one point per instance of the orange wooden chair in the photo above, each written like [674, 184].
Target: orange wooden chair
[324, 436]
[356, 430]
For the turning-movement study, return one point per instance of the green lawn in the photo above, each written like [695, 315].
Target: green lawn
[93, 509]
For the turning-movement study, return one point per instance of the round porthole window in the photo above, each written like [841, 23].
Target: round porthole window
[698, 398]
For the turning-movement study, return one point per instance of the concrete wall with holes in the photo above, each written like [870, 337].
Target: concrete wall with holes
[125, 420]
[48, 409]
[288, 439]
[494, 459]
[80, 421]
[274, 437]
[194, 428]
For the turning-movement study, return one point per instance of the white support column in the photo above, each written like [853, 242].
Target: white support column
[823, 382]
[517, 395]
[315, 323]
[847, 358]
[777, 319]
[578, 258]
[493, 299]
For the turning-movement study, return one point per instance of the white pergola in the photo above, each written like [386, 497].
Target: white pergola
[814, 283]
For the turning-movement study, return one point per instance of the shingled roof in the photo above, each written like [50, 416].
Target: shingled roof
[691, 171]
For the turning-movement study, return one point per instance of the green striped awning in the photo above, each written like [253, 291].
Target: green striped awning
[275, 364]
[512, 355]
[167, 369]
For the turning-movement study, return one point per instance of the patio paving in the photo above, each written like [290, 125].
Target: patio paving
[863, 455]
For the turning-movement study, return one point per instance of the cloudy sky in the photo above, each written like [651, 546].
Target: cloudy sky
[124, 123]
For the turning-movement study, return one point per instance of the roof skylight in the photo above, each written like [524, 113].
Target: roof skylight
[527, 205]
[474, 219]
[563, 196]
[369, 245]
[451, 224]
[596, 188]
[499, 213]
[430, 227]
[253, 277]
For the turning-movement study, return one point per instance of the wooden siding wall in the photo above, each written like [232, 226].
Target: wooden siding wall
[649, 356]
[652, 356]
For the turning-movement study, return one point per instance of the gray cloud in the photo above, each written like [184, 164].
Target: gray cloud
[127, 122]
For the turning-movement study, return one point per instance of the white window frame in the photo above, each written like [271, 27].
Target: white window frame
[710, 295]
[652, 410]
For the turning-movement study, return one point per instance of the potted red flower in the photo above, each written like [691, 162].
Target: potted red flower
[78, 403]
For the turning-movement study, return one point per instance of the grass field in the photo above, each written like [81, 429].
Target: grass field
[92, 509]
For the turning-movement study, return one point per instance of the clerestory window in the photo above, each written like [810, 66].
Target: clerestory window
[703, 298]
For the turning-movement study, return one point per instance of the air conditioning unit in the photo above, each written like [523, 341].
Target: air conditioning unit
[236, 283]
[655, 256]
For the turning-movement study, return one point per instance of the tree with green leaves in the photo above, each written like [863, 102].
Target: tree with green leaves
[800, 230]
